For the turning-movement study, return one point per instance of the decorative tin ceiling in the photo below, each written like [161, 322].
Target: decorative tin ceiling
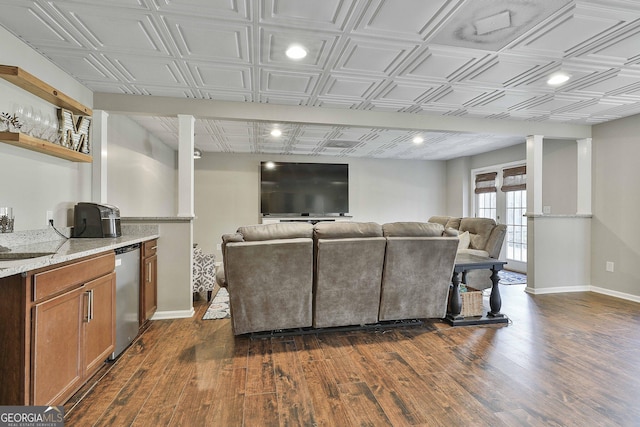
[460, 58]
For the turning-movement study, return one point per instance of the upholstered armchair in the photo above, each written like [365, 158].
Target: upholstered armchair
[477, 236]
[204, 272]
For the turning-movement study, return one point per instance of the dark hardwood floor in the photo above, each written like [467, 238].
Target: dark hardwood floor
[566, 360]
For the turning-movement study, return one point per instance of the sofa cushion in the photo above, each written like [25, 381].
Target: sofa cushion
[479, 229]
[453, 223]
[442, 220]
[281, 230]
[412, 229]
[477, 252]
[346, 230]
[451, 232]
[463, 240]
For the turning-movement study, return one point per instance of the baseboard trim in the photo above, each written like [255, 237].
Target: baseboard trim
[557, 290]
[585, 288]
[176, 314]
[616, 294]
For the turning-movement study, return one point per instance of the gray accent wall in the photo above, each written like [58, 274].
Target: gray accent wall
[227, 191]
[616, 203]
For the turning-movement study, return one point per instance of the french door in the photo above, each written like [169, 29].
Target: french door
[505, 201]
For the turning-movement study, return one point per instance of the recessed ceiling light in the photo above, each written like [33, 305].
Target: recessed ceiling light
[197, 153]
[558, 78]
[296, 51]
[276, 132]
[418, 140]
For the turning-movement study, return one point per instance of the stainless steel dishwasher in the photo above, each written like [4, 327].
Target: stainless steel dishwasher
[127, 296]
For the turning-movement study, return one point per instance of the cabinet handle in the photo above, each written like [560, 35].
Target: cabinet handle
[90, 310]
[154, 248]
[87, 300]
[149, 272]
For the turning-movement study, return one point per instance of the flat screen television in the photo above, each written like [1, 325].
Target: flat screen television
[315, 189]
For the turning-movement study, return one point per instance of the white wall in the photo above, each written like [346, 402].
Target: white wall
[34, 183]
[141, 170]
[616, 202]
[227, 191]
[460, 193]
[560, 176]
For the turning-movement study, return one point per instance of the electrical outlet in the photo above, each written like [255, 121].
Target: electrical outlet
[546, 209]
[49, 217]
[219, 247]
[609, 266]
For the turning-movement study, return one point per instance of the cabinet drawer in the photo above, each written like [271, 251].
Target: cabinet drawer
[51, 282]
[149, 248]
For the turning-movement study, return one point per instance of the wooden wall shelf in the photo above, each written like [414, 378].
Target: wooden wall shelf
[37, 87]
[35, 144]
[34, 85]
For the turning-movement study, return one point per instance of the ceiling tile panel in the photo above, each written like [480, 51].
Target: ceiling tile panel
[372, 58]
[45, 27]
[209, 40]
[288, 82]
[275, 42]
[222, 77]
[220, 9]
[113, 31]
[577, 28]
[349, 87]
[442, 64]
[325, 14]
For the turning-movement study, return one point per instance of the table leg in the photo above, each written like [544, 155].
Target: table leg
[455, 302]
[495, 301]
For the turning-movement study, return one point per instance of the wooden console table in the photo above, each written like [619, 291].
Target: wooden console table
[467, 262]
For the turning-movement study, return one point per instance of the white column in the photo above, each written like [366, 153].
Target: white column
[534, 174]
[99, 152]
[584, 176]
[186, 134]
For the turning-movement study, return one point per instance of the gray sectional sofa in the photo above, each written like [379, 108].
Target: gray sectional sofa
[296, 275]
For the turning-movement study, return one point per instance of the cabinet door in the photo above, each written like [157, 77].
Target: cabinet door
[99, 327]
[150, 286]
[56, 354]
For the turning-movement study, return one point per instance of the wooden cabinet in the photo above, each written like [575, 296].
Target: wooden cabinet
[32, 84]
[149, 282]
[58, 326]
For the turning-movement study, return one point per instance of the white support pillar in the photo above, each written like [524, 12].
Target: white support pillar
[99, 144]
[534, 174]
[584, 177]
[186, 135]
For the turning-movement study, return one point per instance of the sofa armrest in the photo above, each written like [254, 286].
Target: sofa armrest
[496, 238]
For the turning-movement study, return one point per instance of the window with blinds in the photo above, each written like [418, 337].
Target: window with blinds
[514, 179]
[514, 185]
[486, 190]
[486, 183]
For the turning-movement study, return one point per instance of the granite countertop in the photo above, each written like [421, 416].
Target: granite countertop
[67, 250]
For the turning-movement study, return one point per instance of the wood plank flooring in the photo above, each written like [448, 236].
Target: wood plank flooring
[565, 360]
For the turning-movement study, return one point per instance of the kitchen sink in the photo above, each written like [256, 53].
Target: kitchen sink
[11, 256]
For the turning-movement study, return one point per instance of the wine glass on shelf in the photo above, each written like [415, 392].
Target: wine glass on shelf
[27, 120]
[53, 130]
[18, 112]
[36, 119]
[45, 127]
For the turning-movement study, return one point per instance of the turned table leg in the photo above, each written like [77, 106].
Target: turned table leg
[495, 301]
[455, 302]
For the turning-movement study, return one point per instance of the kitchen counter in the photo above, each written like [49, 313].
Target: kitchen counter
[67, 250]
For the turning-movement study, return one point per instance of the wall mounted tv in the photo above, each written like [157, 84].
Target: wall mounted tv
[315, 189]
